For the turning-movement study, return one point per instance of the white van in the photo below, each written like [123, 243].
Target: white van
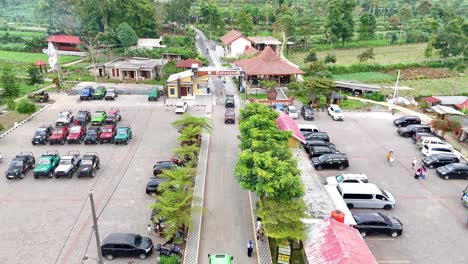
[292, 112]
[429, 140]
[307, 128]
[429, 149]
[366, 196]
[348, 177]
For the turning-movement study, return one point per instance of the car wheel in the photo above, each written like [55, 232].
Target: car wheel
[431, 166]
[350, 205]
[34, 144]
[387, 207]
[100, 142]
[341, 167]
[148, 192]
[394, 234]
[99, 166]
[126, 142]
[50, 174]
[21, 176]
[446, 177]
[33, 165]
[142, 256]
[35, 176]
[319, 168]
[109, 257]
[92, 174]
[363, 234]
[56, 176]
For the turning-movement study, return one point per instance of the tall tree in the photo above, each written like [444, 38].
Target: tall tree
[424, 7]
[178, 10]
[451, 40]
[340, 24]
[35, 76]
[244, 21]
[126, 35]
[9, 83]
[211, 14]
[367, 26]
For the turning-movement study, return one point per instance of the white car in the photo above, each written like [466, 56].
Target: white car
[67, 165]
[181, 107]
[307, 128]
[429, 149]
[292, 112]
[335, 112]
[350, 178]
[64, 118]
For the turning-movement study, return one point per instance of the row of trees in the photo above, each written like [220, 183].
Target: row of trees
[266, 166]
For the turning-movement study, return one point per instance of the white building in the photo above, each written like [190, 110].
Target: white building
[235, 44]
[149, 43]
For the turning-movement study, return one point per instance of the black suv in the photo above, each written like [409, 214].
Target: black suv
[317, 136]
[412, 129]
[377, 223]
[317, 151]
[90, 163]
[20, 165]
[126, 245]
[307, 112]
[415, 137]
[153, 184]
[406, 121]
[229, 101]
[453, 170]
[163, 165]
[331, 161]
[317, 142]
[42, 135]
[92, 135]
[83, 117]
[441, 159]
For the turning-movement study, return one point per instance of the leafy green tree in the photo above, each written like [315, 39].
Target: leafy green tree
[35, 76]
[268, 84]
[25, 106]
[451, 40]
[190, 120]
[340, 24]
[187, 155]
[126, 35]
[367, 26]
[405, 15]
[178, 10]
[429, 50]
[244, 21]
[329, 58]
[312, 56]
[177, 178]
[367, 54]
[211, 14]
[190, 135]
[9, 83]
[286, 24]
[424, 7]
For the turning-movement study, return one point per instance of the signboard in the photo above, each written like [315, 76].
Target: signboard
[284, 254]
[227, 73]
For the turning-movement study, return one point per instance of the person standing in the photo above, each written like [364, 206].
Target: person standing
[150, 232]
[414, 163]
[423, 173]
[249, 248]
[390, 157]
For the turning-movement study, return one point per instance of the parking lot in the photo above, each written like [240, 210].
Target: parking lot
[434, 219]
[49, 220]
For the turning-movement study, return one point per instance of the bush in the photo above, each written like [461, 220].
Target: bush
[169, 260]
[375, 96]
[11, 105]
[25, 106]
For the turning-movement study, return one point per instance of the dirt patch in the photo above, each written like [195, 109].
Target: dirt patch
[8, 120]
[422, 73]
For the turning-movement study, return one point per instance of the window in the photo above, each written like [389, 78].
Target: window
[113, 72]
[357, 196]
[171, 91]
[381, 197]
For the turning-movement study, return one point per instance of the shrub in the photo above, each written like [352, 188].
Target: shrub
[11, 105]
[169, 260]
[375, 96]
[25, 106]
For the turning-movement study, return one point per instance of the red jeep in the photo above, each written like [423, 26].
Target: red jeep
[77, 133]
[107, 134]
[59, 135]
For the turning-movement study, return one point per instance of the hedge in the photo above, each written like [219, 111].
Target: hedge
[25, 106]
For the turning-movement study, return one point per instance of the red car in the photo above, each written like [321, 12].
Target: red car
[107, 134]
[77, 133]
[59, 135]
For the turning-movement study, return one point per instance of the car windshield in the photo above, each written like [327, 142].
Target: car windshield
[110, 92]
[58, 132]
[40, 131]
[111, 115]
[91, 132]
[122, 131]
[340, 178]
[323, 158]
[86, 162]
[65, 162]
[97, 114]
[338, 111]
[16, 163]
[75, 129]
[107, 130]
[384, 192]
[80, 114]
[292, 110]
[179, 106]
[44, 161]
[62, 115]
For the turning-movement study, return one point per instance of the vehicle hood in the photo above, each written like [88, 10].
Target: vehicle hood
[63, 167]
[38, 136]
[395, 221]
[403, 129]
[316, 161]
[42, 167]
[427, 160]
[13, 170]
[91, 136]
[97, 118]
[74, 135]
[62, 119]
[146, 243]
[56, 136]
[390, 197]
[80, 118]
[121, 136]
[106, 134]
[443, 170]
[85, 92]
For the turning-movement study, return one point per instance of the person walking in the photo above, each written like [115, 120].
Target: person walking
[249, 248]
[150, 232]
[414, 163]
[390, 157]
[422, 175]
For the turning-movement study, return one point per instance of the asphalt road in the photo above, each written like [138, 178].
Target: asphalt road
[48, 221]
[435, 229]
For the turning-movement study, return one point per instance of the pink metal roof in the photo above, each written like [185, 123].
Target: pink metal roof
[332, 242]
[431, 99]
[463, 105]
[188, 63]
[64, 39]
[286, 123]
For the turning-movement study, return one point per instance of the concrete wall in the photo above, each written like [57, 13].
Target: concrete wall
[238, 47]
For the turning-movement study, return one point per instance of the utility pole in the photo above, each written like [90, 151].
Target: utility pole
[395, 92]
[95, 227]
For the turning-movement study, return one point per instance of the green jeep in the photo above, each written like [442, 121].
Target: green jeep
[153, 94]
[123, 135]
[99, 93]
[46, 165]
[98, 118]
[220, 259]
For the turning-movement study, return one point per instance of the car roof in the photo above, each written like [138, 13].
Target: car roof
[408, 116]
[117, 238]
[220, 259]
[439, 146]
[67, 157]
[367, 216]
[320, 147]
[180, 103]
[164, 162]
[444, 155]
[353, 175]
[335, 155]
[360, 188]
[307, 126]
[89, 156]
[20, 157]
[459, 165]
[431, 138]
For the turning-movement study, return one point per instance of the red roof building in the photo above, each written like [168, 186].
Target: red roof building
[286, 123]
[188, 63]
[229, 37]
[235, 43]
[65, 42]
[250, 51]
[39, 62]
[463, 105]
[332, 242]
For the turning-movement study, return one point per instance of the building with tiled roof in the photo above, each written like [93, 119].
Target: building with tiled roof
[188, 63]
[250, 51]
[260, 43]
[235, 43]
[65, 42]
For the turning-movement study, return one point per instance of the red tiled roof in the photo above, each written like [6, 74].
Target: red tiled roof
[463, 105]
[232, 35]
[336, 243]
[39, 62]
[250, 51]
[188, 63]
[64, 39]
[286, 123]
[267, 63]
[431, 99]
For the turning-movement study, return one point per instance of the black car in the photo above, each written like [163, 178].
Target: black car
[415, 137]
[163, 165]
[317, 136]
[406, 121]
[453, 170]
[368, 223]
[20, 165]
[317, 151]
[307, 112]
[90, 163]
[153, 184]
[316, 142]
[92, 135]
[229, 101]
[42, 135]
[83, 117]
[412, 129]
[126, 245]
[331, 161]
[438, 160]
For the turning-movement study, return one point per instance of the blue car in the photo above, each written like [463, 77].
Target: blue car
[279, 107]
[87, 93]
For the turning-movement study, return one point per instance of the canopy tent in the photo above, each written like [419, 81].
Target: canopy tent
[445, 110]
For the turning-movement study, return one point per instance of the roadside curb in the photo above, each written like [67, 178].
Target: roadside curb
[4, 134]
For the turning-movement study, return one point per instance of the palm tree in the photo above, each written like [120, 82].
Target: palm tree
[190, 135]
[203, 122]
[178, 179]
[188, 155]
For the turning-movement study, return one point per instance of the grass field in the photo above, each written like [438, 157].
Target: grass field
[28, 57]
[367, 77]
[24, 34]
[8, 120]
[443, 86]
[383, 55]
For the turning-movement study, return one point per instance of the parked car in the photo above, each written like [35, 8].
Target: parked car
[111, 94]
[65, 118]
[20, 165]
[59, 135]
[335, 112]
[42, 135]
[229, 101]
[416, 136]
[429, 149]
[92, 135]
[181, 107]
[292, 112]
[83, 117]
[453, 170]
[107, 134]
[153, 184]
[317, 151]
[366, 196]
[99, 93]
[220, 259]
[77, 134]
[279, 107]
[406, 121]
[87, 93]
[230, 116]
[317, 142]
[68, 164]
[307, 112]
[368, 223]
[90, 163]
[123, 135]
[331, 161]
[126, 245]
[465, 196]
[349, 178]
[163, 165]
[429, 140]
[98, 118]
[113, 116]
[40, 97]
[153, 94]
[440, 159]
[46, 165]
[317, 135]
[410, 130]
[307, 128]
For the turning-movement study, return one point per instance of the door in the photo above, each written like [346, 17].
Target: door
[183, 91]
